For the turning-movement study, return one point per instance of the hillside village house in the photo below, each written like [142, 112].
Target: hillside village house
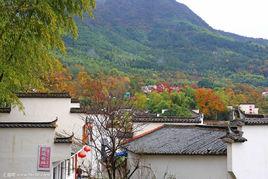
[180, 151]
[197, 151]
[247, 150]
[38, 141]
[41, 142]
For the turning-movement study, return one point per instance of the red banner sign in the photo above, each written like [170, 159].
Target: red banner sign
[44, 158]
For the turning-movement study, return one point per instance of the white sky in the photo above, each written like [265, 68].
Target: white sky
[243, 17]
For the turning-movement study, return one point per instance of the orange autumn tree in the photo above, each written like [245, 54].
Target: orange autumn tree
[252, 95]
[83, 81]
[60, 80]
[117, 86]
[90, 88]
[102, 87]
[209, 103]
[235, 98]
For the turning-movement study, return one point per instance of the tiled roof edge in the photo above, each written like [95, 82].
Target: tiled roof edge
[234, 135]
[219, 127]
[5, 110]
[43, 95]
[167, 119]
[222, 153]
[77, 110]
[249, 122]
[51, 124]
[75, 100]
[64, 139]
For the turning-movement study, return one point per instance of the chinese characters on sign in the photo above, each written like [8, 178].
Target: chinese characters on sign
[44, 154]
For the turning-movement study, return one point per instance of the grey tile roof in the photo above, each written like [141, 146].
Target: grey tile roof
[166, 119]
[43, 95]
[51, 124]
[250, 119]
[234, 135]
[60, 138]
[181, 140]
[75, 100]
[78, 110]
[256, 121]
[5, 110]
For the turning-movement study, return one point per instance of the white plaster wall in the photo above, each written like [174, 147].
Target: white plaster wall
[71, 123]
[182, 167]
[249, 160]
[19, 151]
[75, 105]
[48, 109]
[61, 151]
[39, 109]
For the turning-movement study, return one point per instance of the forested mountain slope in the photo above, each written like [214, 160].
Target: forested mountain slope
[158, 36]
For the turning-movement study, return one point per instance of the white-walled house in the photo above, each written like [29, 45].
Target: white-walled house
[45, 128]
[20, 150]
[45, 107]
[237, 151]
[180, 151]
[164, 146]
[247, 147]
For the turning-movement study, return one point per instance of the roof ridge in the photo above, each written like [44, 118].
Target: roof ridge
[5, 109]
[63, 139]
[196, 126]
[43, 95]
[167, 119]
[26, 124]
[78, 110]
[29, 122]
[176, 117]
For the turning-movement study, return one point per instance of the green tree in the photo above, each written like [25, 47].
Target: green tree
[190, 93]
[153, 102]
[175, 104]
[181, 105]
[140, 101]
[206, 83]
[31, 32]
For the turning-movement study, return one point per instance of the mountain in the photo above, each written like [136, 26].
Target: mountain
[154, 37]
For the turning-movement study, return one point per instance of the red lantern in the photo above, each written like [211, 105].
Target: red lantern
[87, 148]
[82, 154]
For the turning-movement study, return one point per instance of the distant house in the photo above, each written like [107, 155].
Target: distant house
[149, 88]
[249, 108]
[198, 151]
[265, 94]
[38, 142]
